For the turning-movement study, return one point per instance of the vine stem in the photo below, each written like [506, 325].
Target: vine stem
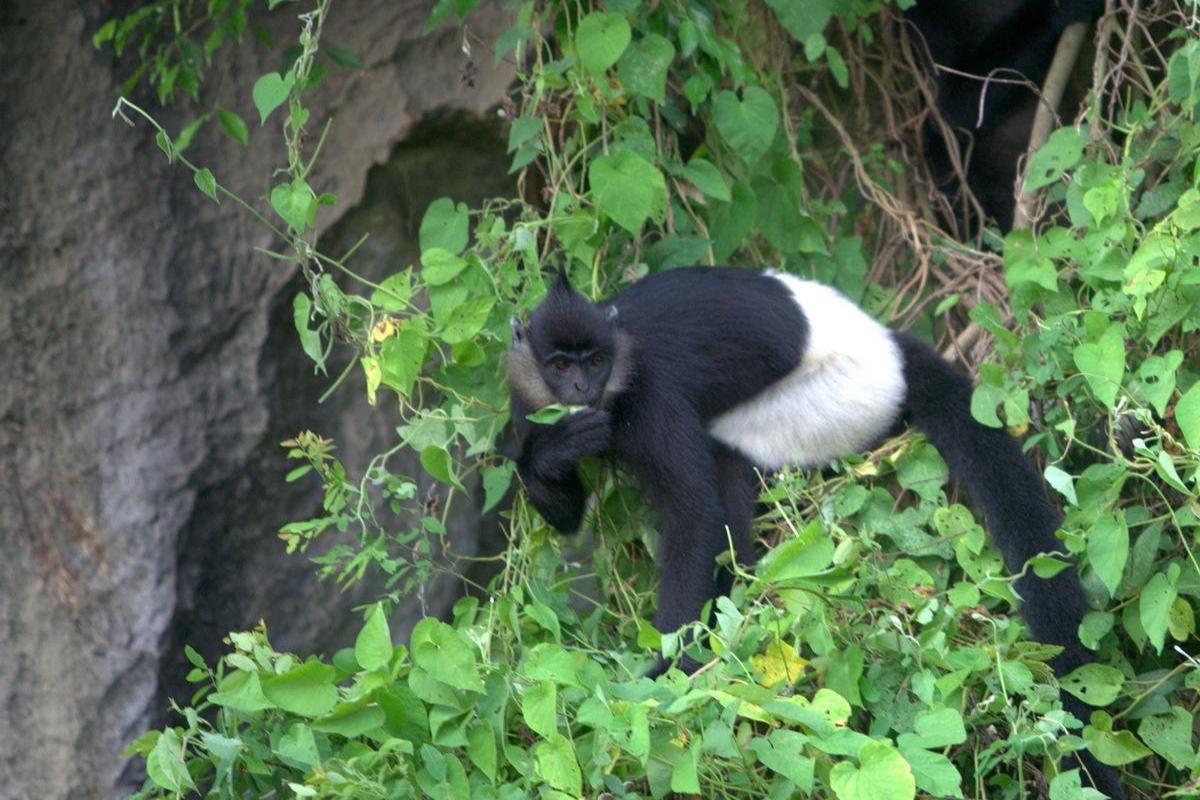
[174, 155]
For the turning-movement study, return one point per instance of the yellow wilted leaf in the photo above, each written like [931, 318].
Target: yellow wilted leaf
[374, 376]
[779, 663]
[383, 329]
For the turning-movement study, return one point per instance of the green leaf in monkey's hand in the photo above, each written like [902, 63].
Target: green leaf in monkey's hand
[548, 415]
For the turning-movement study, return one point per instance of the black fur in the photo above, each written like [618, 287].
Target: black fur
[1020, 518]
[690, 344]
[719, 337]
[1007, 40]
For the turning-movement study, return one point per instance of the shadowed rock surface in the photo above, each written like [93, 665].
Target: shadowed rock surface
[148, 368]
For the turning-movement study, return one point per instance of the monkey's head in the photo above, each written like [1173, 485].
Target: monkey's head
[568, 351]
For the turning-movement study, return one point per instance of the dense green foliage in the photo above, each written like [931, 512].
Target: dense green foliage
[873, 652]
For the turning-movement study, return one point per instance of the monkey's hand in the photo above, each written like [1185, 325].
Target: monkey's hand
[556, 449]
[590, 430]
[686, 663]
[549, 464]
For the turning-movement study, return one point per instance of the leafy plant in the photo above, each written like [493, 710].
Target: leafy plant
[872, 652]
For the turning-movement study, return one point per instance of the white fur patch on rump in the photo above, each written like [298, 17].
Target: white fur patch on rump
[843, 397]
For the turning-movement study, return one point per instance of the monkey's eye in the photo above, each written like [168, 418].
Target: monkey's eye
[560, 365]
[596, 361]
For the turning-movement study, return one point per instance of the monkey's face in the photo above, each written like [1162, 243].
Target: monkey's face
[577, 378]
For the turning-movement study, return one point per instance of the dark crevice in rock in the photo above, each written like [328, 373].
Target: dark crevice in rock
[232, 569]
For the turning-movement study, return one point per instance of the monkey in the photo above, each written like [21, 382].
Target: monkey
[698, 379]
[987, 60]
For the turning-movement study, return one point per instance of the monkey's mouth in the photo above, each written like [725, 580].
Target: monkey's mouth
[582, 399]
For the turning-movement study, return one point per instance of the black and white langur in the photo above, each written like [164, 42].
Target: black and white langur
[693, 378]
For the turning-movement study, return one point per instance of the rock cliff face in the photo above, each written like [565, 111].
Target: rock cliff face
[148, 368]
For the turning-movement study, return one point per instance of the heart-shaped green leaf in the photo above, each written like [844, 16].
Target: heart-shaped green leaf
[1102, 364]
[294, 202]
[437, 462]
[445, 653]
[628, 189]
[643, 68]
[1108, 550]
[747, 125]
[234, 126]
[707, 179]
[206, 183]
[307, 690]
[373, 646]
[269, 93]
[882, 774]
[1187, 414]
[444, 225]
[803, 20]
[600, 40]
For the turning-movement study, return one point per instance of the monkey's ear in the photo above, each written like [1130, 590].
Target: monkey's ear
[518, 331]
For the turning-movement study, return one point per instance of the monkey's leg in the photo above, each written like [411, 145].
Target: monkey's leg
[677, 463]
[739, 492]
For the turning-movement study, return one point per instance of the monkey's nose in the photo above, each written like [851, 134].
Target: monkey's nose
[580, 387]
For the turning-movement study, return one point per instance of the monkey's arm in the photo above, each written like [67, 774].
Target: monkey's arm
[670, 450]
[548, 461]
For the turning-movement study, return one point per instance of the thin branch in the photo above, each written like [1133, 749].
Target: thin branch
[1069, 45]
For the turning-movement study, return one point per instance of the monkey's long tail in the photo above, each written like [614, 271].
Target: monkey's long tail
[1020, 518]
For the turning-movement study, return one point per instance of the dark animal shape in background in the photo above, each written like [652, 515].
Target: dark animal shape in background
[1008, 41]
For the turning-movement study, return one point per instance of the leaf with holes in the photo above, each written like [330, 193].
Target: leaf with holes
[1094, 684]
[1170, 735]
[1156, 376]
[1060, 153]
